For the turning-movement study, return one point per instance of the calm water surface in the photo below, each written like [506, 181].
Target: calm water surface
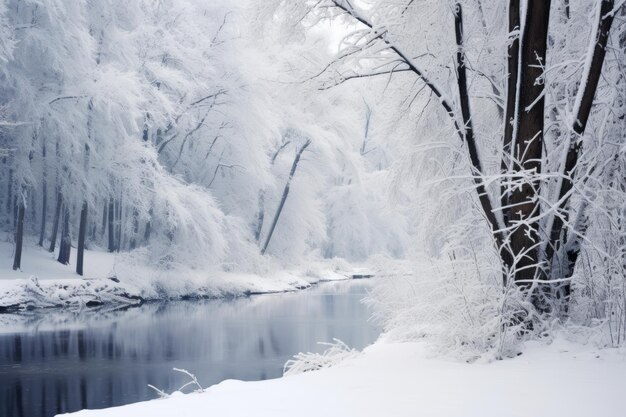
[54, 362]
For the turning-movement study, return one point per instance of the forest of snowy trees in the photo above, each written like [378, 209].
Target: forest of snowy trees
[164, 125]
[483, 141]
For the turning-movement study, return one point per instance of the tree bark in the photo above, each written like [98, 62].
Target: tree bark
[260, 216]
[584, 100]
[19, 235]
[82, 231]
[10, 192]
[527, 150]
[511, 116]
[468, 131]
[111, 225]
[66, 243]
[104, 219]
[55, 222]
[44, 198]
[118, 224]
[133, 238]
[281, 205]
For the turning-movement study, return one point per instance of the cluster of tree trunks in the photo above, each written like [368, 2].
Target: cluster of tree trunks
[528, 254]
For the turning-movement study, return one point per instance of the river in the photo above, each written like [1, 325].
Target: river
[55, 361]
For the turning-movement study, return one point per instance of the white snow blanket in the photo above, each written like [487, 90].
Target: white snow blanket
[557, 380]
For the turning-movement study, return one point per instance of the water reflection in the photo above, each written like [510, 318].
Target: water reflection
[55, 362]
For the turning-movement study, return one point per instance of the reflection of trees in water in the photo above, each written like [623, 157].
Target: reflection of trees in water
[58, 361]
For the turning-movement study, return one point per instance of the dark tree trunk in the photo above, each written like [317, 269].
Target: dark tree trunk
[19, 235]
[118, 224]
[511, 95]
[111, 220]
[104, 219]
[585, 99]
[44, 197]
[55, 222]
[10, 192]
[66, 241]
[80, 248]
[281, 205]
[528, 147]
[44, 211]
[468, 129]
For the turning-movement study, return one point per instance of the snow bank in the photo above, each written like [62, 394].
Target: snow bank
[399, 379]
[129, 278]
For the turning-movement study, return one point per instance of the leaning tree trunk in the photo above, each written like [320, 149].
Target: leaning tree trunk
[82, 231]
[260, 216]
[66, 243]
[281, 205]
[584, 101]
[470, 139]
[527, 149]
[19, 235]
[55, 222]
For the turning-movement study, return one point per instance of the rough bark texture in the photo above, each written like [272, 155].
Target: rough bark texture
[510, 116]
[527, 150]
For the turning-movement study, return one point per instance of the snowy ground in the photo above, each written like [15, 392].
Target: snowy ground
[43, 282]
[401, 379]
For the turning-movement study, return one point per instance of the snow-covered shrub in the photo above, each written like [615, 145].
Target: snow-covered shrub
[336, 353]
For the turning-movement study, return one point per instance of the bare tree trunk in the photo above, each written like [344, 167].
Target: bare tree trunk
[19, 234]
[44, 199]
[260, 216]
[66, 241]
[584, 100]
[118, 224]
[55, 222]
[104, 219]
[82, 231]
[133, 238]
[111, 219]
[10, 192]
[281, 205]
[511, 95]
[528, 147]
[468, 129]
[44, 211]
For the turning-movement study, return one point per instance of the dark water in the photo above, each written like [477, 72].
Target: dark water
[54, 362]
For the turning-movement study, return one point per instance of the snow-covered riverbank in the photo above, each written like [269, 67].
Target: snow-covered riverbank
[111, 278]
[401, 379]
